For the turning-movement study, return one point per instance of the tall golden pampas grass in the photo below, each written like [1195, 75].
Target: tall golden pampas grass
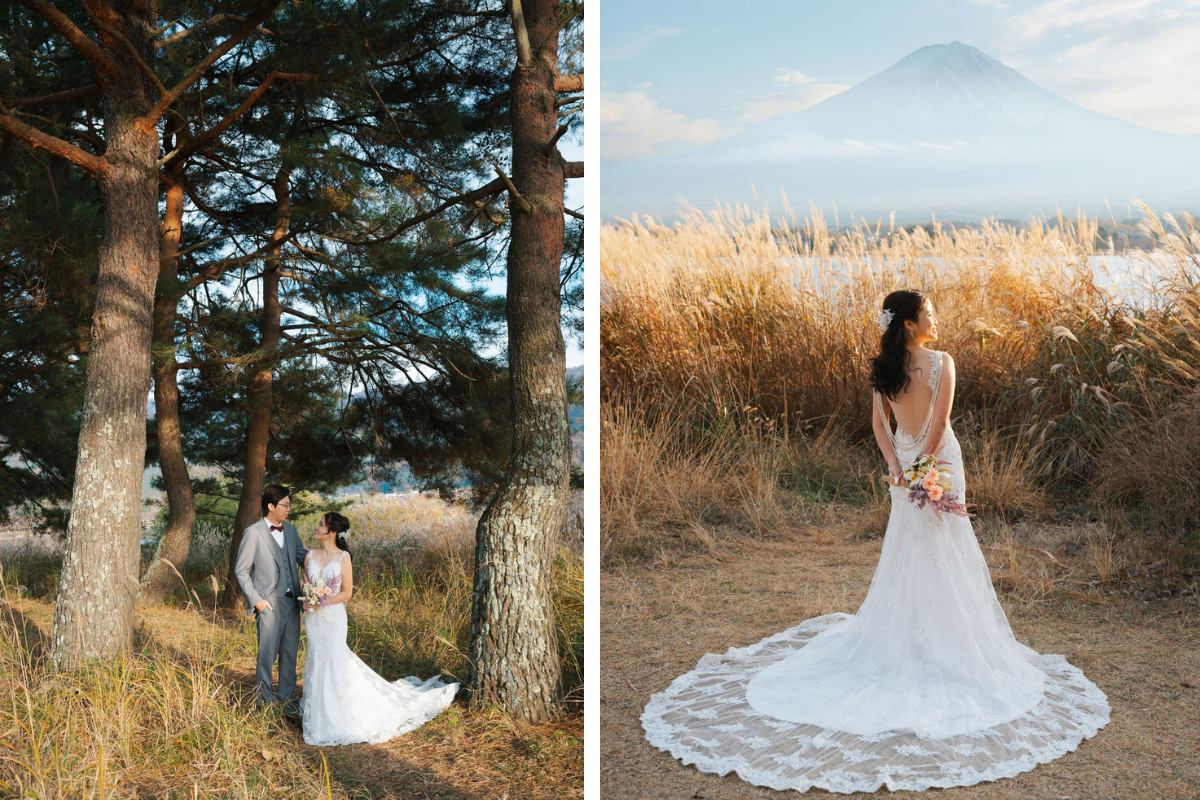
[728, 324]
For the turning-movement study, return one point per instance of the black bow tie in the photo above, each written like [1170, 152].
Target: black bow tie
[277, 527]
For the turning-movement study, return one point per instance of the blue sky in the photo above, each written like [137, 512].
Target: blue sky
[572, 150]
[678, 75]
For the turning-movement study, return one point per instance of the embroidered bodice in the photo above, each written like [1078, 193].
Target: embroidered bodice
[326, 571]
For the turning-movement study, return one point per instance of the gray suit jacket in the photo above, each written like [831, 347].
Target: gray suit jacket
[260, 567]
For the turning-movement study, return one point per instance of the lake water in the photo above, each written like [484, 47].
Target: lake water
[1128, 278]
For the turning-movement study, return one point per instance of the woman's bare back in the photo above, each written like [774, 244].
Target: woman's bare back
[911, 405]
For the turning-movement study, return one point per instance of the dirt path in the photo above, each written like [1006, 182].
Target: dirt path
[658, 620]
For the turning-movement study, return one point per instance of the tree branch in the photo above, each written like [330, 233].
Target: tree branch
[558, 134]
[57, 97]
[572, 169]
[39, 140]
[487, 190]
[212, 133]
[129, 48]
[512, 190]
[524, 51]
[209, 23]
[568, 83]
[214, 270]
[78, 39]
[198, 71]
[168, 157]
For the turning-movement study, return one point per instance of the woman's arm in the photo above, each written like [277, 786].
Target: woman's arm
[941, 407]
[883, 440]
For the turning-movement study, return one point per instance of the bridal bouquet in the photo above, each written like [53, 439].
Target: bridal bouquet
[318, 594]
[929, 484]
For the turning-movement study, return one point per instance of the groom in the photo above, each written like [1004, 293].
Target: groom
[266, 570]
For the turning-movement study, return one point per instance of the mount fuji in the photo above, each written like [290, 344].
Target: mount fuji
[946, 130]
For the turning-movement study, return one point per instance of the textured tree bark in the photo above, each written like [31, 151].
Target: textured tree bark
[514, 644]
[260, 398]
[93, 612]
[160, 577]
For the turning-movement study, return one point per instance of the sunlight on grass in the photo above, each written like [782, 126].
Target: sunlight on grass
[176, 715]
[735, 349]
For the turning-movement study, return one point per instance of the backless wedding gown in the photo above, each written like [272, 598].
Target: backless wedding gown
[345, 701]
[924, 687]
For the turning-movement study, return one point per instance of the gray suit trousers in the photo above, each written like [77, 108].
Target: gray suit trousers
[278, 637]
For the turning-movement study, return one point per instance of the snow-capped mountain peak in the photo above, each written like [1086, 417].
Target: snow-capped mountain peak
[950, 93]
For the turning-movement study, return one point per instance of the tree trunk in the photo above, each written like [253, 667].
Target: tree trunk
[93, 613]
[161, 576]
[514, 643]
[261, 400]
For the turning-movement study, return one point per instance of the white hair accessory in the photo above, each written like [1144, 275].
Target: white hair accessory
[885, 319]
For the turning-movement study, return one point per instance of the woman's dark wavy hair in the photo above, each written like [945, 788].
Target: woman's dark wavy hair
[339, 525]
[889, 370]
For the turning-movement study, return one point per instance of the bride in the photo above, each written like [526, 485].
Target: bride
[925, 686]
[345, 701]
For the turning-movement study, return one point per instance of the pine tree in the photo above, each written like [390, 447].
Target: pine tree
[514, 645]
[99, 581]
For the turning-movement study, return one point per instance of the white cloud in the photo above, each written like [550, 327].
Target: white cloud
[1132, 59]
[1088, 49]
[634, 127]
[1074, 13]
[638, 41]
[798, 92]
[791, 77]
[759, 108]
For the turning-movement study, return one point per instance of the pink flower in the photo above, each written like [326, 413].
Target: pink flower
[935, 492]
[931, 479]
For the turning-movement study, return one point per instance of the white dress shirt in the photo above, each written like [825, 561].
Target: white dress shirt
[276, 535]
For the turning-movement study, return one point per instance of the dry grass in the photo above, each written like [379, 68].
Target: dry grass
[1155, 464]
[179, 709]
[776, 317]
[411, 521]
[735, 348]
[655, 485]
[998, 477]
[146, 724]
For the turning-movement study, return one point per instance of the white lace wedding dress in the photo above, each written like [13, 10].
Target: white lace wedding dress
[924, 687]
[345, 701]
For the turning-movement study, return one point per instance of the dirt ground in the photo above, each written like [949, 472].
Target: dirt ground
[658, 619]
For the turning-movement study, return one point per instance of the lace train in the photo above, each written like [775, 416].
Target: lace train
[704, 719]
